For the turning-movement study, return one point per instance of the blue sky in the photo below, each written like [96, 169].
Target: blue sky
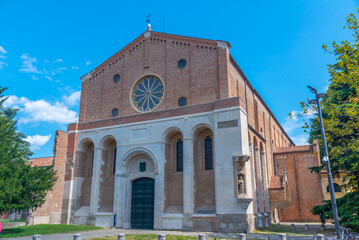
[46, 46]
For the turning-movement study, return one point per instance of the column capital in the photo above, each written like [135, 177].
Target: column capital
[263, 152]
[256, 148]
[97, 148]
[250, 144]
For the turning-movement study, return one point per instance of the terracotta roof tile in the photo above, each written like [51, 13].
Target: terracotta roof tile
[41, 162]
[276, 182]
[303, 148]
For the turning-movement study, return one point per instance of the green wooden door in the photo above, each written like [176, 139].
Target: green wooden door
[142, 203]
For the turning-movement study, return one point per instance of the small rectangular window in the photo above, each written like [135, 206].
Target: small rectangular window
[142, 166]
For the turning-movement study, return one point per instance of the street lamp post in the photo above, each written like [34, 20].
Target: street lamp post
[326, 159]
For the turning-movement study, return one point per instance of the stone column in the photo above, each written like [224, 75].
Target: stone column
[254, 187]
[259, 177]
[265, 187]
[117, 190]
[95, 184]
[188, 183]
[265, 181]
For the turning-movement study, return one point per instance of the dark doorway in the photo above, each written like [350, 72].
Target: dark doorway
[142, 203]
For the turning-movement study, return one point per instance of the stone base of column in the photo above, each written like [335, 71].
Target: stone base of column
[187, 222]
[239, 223]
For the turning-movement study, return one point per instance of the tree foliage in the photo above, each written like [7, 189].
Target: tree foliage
[340, 108]
[348, 210]
[21, 186]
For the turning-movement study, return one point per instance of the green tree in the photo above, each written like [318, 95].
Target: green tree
[340, 110]
[21, 186]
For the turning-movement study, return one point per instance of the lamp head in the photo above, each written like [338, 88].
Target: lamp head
[313, 90]
[312, 101]
[321, 95]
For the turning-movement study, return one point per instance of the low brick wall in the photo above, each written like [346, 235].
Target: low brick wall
[12, 225]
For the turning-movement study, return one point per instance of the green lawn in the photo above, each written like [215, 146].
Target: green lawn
[17, 220]
[153, 237]
[44, 229]
[288, 231]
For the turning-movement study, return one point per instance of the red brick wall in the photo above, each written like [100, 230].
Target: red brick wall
[305, 188]
[204, 79]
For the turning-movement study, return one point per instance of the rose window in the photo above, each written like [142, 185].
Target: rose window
[147, 93]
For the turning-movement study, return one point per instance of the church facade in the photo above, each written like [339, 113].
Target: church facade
[172, 135]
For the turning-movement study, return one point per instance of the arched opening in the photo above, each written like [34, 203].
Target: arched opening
[203, 159]
[336, 186]
[83, 173]
[174, 172]
[107, 174]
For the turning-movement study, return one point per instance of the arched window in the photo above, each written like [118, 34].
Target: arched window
[208, 153]
[337, 188]
[114, 160]
[179, 155]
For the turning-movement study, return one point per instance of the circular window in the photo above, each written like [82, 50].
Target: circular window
[114, 112]
[182, 63]
[147, 93]
[116, 78]
[182, 101]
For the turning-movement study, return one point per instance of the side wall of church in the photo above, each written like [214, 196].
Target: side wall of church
[305, 186]
[51, 210]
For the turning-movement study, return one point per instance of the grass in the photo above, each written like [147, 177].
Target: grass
[154, 237]
[17, 220]
[44, 229]
[289, 232]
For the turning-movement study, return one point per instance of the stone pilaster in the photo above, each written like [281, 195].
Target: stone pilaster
[188, 183]
[259, 177]
[254, 186]
[95, 184]
[265, 187]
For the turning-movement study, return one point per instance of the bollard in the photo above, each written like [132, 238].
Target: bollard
[36, 237]
[279, 225]
[306, 227]
[201, 237]
[77, 236]
[161, 236]
[282, 236]
[121, 236]
[320, 237]
[242, 236]
[292, 227]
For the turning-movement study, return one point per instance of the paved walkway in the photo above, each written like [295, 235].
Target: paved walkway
[114, 232]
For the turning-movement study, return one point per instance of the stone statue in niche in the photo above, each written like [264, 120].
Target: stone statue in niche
[241, 186]
[239, 171]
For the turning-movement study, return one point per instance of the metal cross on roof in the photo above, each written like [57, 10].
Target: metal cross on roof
[148, 17]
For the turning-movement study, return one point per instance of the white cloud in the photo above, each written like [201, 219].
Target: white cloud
[58, 60]
[76, 68]
[36, 141]
[301, 139]
[41, 111]
[28, 64]
[88, 63]
[3, 52]
[73, 99]
[14, 100]
[49, 78]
